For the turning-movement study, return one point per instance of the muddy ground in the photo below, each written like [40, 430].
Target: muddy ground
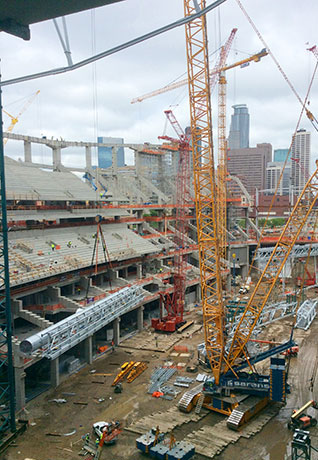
[47, 417]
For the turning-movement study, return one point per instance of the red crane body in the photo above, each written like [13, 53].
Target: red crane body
[174, 304]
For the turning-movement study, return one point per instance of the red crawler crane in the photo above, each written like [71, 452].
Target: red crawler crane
[174, 304]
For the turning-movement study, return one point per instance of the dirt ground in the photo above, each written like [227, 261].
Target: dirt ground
[47, 417]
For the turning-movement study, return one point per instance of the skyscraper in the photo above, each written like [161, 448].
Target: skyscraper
[300, 158]
[273, 172]
[105, 153]
[250, 165]
[239, 136]
[281, 154]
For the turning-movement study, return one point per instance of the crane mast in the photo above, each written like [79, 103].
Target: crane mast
[204, 184]
[174, 304]
[221, 172]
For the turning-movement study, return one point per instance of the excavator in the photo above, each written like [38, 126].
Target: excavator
[235, 388]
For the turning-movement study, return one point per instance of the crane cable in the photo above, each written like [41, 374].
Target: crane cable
[116, 49]
[310, 116]
[251, 267]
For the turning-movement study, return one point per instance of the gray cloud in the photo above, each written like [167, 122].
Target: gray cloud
[65, 105]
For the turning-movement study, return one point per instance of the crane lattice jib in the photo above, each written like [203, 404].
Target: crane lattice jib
[221, 176]
[274, 266]
[181, 225]
[182, 198]
[204, 184]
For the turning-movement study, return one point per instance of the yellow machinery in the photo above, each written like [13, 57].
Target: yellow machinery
[137, 369]
[125, 369]
[14, 120]
[222, 361]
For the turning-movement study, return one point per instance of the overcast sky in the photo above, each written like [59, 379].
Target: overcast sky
[95, 100]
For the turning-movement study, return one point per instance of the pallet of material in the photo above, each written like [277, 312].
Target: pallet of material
[185, 326]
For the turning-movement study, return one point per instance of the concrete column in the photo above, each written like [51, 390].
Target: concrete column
[19, 380]
[198, 293]
[55, 372]
[139, 271]
[56, 152]
[88, 349]
[116, 331]
[140, 318]
[114, 160]
[27, 152]
[228, 283]
[162, 311]
[19, 376]
[137, 163]
[88, 155]
[161, 224]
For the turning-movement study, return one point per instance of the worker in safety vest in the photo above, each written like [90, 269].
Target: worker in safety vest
[69, 244]
[52, 246]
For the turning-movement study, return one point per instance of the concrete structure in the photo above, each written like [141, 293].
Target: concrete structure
[105, 154]
[240, 128]
[250, 165]
[300, 157]
[51, 216]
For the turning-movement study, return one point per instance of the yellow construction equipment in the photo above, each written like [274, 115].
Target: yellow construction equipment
[137, 369]
[178, 84]
[205, 186]
[125, 369]
[224, 359]
[222, 151]
[14, 120]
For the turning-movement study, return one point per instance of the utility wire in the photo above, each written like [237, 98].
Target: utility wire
[116, 49]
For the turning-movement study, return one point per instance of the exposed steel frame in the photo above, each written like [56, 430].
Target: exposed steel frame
[274, 266]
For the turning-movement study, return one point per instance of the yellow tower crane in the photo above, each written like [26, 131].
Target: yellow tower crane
[14, 120]
[222, 166]
[224, 359]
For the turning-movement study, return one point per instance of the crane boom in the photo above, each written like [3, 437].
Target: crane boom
[205, 188]
[178, 84]
[14, 120]
[274, 266]
[222, 169]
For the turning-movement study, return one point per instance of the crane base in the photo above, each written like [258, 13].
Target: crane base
[167, 325]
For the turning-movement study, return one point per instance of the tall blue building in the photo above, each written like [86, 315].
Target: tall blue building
[239, 136]
[105, 153]
[281, 154]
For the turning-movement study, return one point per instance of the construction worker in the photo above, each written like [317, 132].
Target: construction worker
[87, 437]
[69, 244]
[113, 345]
[52, 246]
[78, 290]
